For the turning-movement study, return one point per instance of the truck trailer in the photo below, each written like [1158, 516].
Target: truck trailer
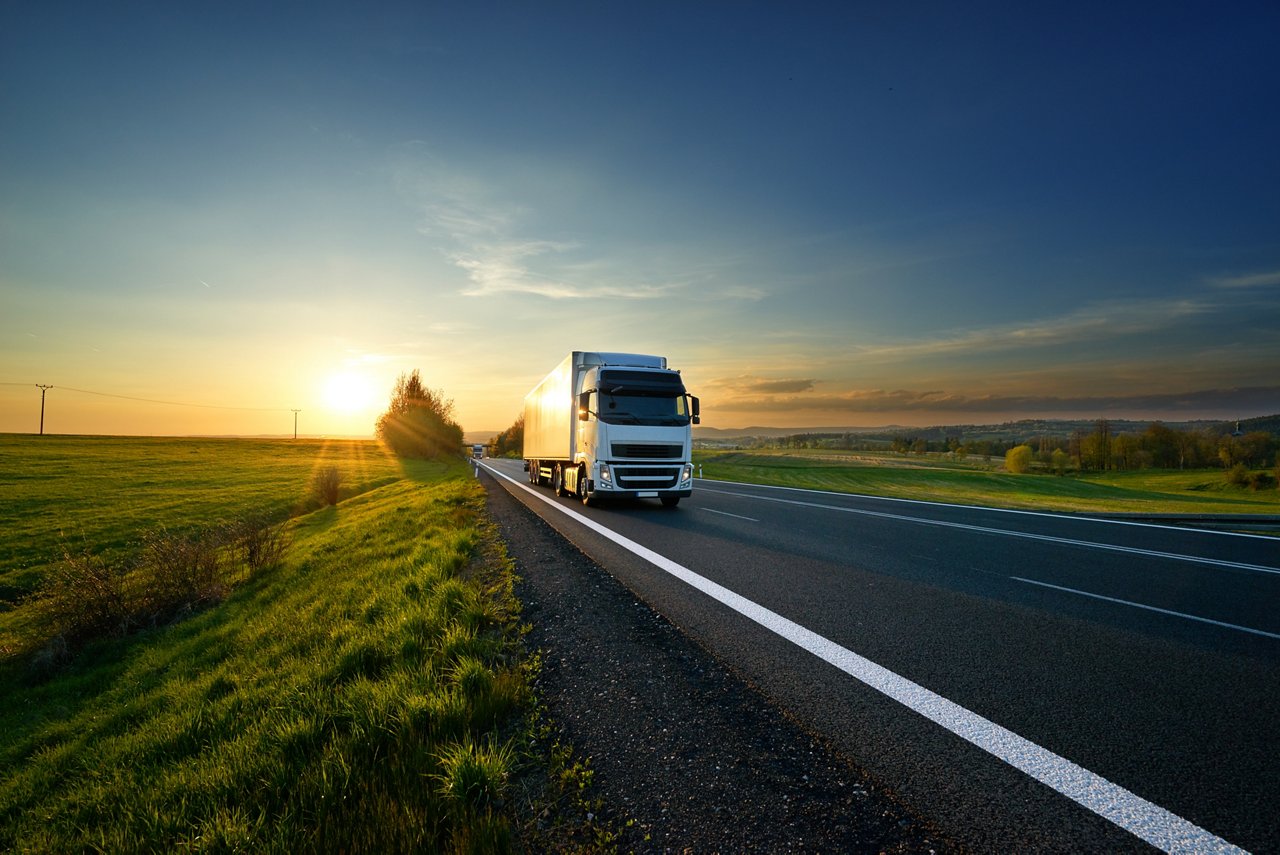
[611, 426]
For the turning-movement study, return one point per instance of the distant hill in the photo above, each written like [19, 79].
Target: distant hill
[1022, 429]
[1266, 424]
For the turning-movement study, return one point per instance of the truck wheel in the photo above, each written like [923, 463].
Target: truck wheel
[557, 481]
[670, 501]
[533, 472]
[583, 494]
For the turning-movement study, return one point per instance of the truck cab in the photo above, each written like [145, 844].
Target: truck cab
[612, 426]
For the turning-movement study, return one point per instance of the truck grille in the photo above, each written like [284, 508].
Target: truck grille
[646, 477]
[640, 451]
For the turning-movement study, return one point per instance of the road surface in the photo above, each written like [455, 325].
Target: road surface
[1024, 681]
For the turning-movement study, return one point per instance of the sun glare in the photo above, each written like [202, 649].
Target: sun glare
[348, 393]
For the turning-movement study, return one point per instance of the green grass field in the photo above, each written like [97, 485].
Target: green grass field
[364, 694]
[975, 482]
[66, 492]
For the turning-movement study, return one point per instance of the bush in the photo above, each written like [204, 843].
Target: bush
[326, 484]
[1261, 481]
[177, 573]
[1238, 475]
[82, 598]
[1018, 459]
[258, 542]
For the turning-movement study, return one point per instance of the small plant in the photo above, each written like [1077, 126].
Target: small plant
[474, 777]
[1238, 475]
[326, 484]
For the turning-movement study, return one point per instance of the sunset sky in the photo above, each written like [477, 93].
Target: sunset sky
[825, 214]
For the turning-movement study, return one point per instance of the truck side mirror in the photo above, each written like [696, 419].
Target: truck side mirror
[697, 417]
[584, 407]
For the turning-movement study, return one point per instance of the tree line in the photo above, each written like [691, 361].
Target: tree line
[509, 443]
[1101, 449]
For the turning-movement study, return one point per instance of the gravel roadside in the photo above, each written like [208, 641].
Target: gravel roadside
[685, 756]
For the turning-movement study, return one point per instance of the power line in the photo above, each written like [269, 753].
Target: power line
[166, 403]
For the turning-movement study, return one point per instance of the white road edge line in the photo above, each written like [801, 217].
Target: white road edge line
[1148, 608]
[1150, 822]
[1110, 547]
[1058, 516]
[727, 514]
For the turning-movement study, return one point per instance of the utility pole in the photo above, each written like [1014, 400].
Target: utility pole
[43, 389]
[295, 423]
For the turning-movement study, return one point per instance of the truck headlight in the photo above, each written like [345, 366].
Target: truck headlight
[604, 472]
[687, 473]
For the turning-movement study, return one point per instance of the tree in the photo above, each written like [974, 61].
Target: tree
[510, 441]
[1165, 446]
[1125, 448]
[1059, 460]
[1018, 459]
[419, 421]
[1102, 446]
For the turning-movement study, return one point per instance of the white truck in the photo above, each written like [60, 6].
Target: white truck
[611, 426]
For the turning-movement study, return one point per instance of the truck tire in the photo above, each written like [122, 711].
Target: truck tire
[557, 480]
[670, 501]
[583, 493]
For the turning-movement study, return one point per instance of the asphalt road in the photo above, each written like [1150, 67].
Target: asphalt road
[1023, 681]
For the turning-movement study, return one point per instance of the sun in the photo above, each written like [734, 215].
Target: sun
[348, 392]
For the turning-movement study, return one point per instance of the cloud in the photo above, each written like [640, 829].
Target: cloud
[750, 384]
[482, 235]
[506, 269]
[1244, 399]
[1254, 280]
[777, 387]
[1094, 323]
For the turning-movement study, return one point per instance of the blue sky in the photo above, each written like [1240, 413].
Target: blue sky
[824, 214]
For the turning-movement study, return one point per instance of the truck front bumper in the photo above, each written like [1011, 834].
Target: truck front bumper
[641, 494]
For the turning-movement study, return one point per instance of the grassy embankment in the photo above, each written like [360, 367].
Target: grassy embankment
[364, 693]
[975, 482]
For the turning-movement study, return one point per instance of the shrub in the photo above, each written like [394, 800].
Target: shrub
[1238, 475]
[82, 597]
[179, 572]
[1261, 481]
[258, 542]
[326, 484]
[1018, 459]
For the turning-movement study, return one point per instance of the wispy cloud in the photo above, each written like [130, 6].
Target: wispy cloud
[750, 384]
[1252, 280]
[1091, 324]
[485, 236]
[779, 387]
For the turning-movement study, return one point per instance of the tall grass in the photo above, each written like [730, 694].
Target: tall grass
[354, 697]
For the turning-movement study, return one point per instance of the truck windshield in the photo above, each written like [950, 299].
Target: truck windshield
[642, 398]
[643, 409]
